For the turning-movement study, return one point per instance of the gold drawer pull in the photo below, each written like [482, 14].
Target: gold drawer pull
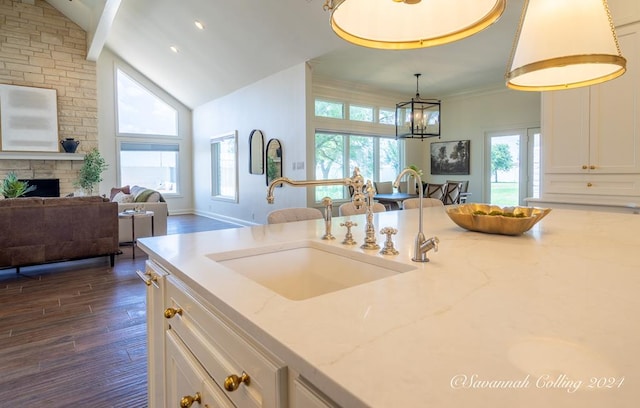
[589, 185]
[147, 277]
[188, 400]
[232, 382]
[592, 167]
[584, 167]
[170, 312]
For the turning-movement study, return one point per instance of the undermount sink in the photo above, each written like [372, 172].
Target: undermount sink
[306, 269]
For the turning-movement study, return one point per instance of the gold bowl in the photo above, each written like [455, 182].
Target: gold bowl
[496, 220]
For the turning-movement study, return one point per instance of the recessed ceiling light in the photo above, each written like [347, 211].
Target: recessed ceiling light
[199, 25]
[174, 49]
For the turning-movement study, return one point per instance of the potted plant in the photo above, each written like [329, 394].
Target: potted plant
[11, 187]
[90, 173]
[412, 182]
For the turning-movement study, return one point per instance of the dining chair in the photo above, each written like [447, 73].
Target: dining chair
[350, 209]
[410, 203]
[293, 214]
[464, 186]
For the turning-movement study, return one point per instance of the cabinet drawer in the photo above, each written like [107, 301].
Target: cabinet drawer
[224, 352]
[187, 379]
[596, 184]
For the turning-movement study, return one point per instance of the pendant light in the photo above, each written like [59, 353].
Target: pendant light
[409, 24]
[564, 44]
[418, 118]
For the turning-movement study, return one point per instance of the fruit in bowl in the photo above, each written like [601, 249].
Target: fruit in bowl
[492, 219]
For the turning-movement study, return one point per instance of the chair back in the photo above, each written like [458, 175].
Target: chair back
[350, 209]
[293, 214]
[383, 187]
[410, 203]
[452, 193]
[464, 184]
[435, 190]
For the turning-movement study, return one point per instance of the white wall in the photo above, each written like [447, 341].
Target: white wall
[277, 106]
[470, 117]
[107, 63]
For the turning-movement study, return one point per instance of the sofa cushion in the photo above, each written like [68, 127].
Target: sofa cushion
[116, 190]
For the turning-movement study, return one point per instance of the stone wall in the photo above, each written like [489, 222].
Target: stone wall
[40, 47]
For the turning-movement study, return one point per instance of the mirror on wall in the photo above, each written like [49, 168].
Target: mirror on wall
[256, 152]
[274, 160]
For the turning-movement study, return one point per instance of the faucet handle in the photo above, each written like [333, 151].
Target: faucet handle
[388, 248]
[348, 238]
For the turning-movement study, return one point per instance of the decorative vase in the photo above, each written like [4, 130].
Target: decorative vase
[69, 144]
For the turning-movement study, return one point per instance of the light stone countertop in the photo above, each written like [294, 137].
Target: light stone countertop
[545, 319]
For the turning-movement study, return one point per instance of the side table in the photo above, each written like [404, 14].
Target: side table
[133, 215]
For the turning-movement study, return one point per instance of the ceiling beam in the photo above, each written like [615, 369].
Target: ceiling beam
[104, 21]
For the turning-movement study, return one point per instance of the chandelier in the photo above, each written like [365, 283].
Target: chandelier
[418, 118]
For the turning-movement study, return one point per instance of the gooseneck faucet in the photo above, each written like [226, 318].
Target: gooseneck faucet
[356, 181]
[422, 245]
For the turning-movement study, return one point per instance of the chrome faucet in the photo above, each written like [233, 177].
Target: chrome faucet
[422, 245]
[356, 181]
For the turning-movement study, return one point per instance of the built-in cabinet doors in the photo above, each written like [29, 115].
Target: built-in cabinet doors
[187, 382]
[596, 129]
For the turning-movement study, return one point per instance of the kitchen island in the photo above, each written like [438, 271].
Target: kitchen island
[545, 319]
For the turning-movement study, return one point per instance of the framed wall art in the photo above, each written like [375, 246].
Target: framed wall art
[450, 157]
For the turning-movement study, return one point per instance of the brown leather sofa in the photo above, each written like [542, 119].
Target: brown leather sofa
[37, 230]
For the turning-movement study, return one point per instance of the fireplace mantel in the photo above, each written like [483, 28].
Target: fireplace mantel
[40, 156]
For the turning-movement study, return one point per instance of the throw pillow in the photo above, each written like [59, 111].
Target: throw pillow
[122, 198]
[116, 190]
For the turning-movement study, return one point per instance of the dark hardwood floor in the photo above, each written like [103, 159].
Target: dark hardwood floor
[73, 334]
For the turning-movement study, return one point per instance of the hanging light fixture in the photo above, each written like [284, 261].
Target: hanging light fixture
[409, 24]
[564, 44]
[418, 118]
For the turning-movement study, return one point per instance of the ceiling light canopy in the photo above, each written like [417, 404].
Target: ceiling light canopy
[409, 24]
[418, 118]
[564, 44]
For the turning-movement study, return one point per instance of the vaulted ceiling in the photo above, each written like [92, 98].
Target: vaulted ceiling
[244, 41]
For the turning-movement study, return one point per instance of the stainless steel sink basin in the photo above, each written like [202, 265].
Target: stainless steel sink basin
[305, 269]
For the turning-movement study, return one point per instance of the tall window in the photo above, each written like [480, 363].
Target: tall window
[224, 167]
[148, 128]
[142, 112]
[152, 165]
[337, 154]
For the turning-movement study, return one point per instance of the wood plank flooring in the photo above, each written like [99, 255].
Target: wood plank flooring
[74, 333]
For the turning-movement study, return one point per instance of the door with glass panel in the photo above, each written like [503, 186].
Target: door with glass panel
[512, 166]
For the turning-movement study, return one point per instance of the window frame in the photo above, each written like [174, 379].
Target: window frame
[346, 153]
[216, 188]
[144, 141]
[147, 138]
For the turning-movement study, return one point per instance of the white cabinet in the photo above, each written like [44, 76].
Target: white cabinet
[591, 134]
[154, 278]
[199, 357]
[206, 353]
